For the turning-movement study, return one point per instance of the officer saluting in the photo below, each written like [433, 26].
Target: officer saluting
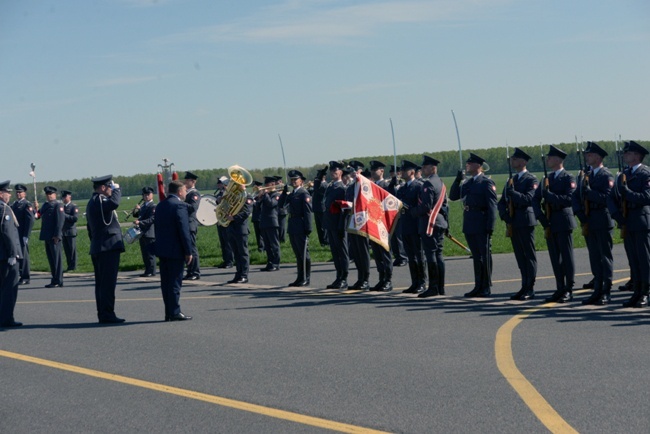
[24, 213]
[193, 199]
[10, 251]
[53, 218]
[106, 244]
[71, 215]
[300, 210]
[479, 196]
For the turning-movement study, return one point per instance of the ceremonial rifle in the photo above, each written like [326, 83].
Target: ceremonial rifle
[547, 206]
[33, 175]
[622, 182]
[584, 174]
[511, 205]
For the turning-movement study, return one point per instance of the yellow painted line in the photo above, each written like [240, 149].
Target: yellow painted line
[224, 402]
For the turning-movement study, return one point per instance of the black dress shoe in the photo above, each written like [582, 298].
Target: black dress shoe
[11, 324]
[24, 282]
[301, 283]
[342, 284]
[225, 266]
[483, 293]
[147, 275]
[334, 284]
[399, 263]
[114, 320]
[239, 280]
[589, 285]
[473, 293]
[270, 269]
[180, 317]
[191, 277]
[429, 293]
[54, 285]
[629, 286]
[387, 286]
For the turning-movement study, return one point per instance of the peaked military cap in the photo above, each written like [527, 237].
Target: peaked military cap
[375, 164]
[392, 168]
[147, 190]
[190, 175]
[4, 186]
[65, 193]
[593, 148]
[296, 174]
[630, 146]
[49, 189]
[278, 178]
[473, 158]
[356, 165]
[366, 173]
[348, 170]
[20, 187]
[258, 183]
[520, 154]
[556, 152]
[335, 165]
[102, 180]
[408, 165]
[269, 179]
[426, 160]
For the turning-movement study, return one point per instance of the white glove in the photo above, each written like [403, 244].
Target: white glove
[11, 261]
[115, 186]
[25, 240]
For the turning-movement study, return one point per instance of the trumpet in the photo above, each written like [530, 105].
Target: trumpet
[257, 191]
[135, 208]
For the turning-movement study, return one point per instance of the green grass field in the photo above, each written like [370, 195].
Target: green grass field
[209, 249]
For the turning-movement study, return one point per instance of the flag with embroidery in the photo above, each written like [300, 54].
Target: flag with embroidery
[375, 212]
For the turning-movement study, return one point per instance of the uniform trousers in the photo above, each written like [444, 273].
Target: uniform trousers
[272, 246]
[480, 246]
[629, 252]
[194, 268]
[24, 264]
[560, 251]
[322, 233]
[360, 253]
[523, 244]
[383, 260]
[171, 281]
[397, 244]
[640, 255]
[106, 266]
[9, 277]
[258, 236]
[601, 261]
[70, 249]
[226, 248]
[300, 246]
[432, 247]
[148, 257]
[54, 257]
[239, 244]
[340, 254]
[413, 248]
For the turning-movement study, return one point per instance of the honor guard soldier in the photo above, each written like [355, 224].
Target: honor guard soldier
[590, 206]
[106, 244]
[358, 245]
[282, 212]
[320, 185]
[10, 252]
[71, 215]
[24, 212]
[226, 248]
[238, 231]
[193, 199]
[409, 194]
[383, 259]
[299, 204]
[173, 247]
[334, 224]
[52, 216]
[519, 193]
[632, 207]
[269, 223]
[146, 215]
[432, 223]
[256, 217]
[396, 242]
[479, 196]
[553, 210]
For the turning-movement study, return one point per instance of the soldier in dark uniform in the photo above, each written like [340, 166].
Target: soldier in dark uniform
[226, 248]
[24, 213]
[560, 225]
[256, 217]
[358, 245]
[269, 224]
[173, 247]
[299, 204]
[71, 215]
[479, 196]
[106, 244]
[334, 224]
[52, 216]
[238, 231]
[521, 192]
[10, 252]
[193, 199]
[590, 206]
[409, 194]
[146, 215]
[320, 185]
[282, 212]
[634, 197]
[396, 242]
[432, 207]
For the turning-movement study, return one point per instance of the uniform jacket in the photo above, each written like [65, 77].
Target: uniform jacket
[479, 195]
[71, 215]
[193, 199]
[52, 218]
[525, 185]
[601, 187]
[428, 194]
[333, 219]
[9, 241]
[319, 195]
[172, 228]
[257, 211]
[102, 222]
[24, 212]
[299, 204]
[559, 196]
[637, 200]
[239, 226]
[269, 207]
[146, 216]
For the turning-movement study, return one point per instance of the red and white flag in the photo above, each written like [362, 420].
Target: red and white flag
[436, 209]
[375, 212]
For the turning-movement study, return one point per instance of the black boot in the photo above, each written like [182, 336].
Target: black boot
[301, 275]
[415, 279]
[379, 284]
[637, 297]
[335, 284]
[520, 295]
[595, 296]
[629, 286]
[556, 297]
[305, 276]
[605, 295]
[432, 290]
[441, 278]
[590, 285]
[388, 284]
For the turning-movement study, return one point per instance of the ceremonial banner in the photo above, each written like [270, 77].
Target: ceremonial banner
[375, 212]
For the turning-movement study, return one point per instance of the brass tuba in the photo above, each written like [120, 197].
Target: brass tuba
[235, 195]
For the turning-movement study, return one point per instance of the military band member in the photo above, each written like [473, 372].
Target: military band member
[590, 206]
[521, 193]
[71, 215]
[396, 242]
[193, 199]
[320, 185]
[146, 215]
[238, 231]
[10, 252]
[560, 225]
[226, 249]
[358, 245]
[106, 244]
[334, 224]
[299, 204]
[282, 212]
[269, 223]
[256, 216]
[479, 196]
[24, 212]
[634, 197]
[52, 216]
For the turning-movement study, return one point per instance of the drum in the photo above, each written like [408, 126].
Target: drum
[206, 214]
[132, 234]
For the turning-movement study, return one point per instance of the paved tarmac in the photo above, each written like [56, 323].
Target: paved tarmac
[264, 358]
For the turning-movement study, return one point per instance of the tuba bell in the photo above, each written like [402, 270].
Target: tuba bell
[235, 195]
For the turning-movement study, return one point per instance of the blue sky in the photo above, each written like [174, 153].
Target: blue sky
[90, 87]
